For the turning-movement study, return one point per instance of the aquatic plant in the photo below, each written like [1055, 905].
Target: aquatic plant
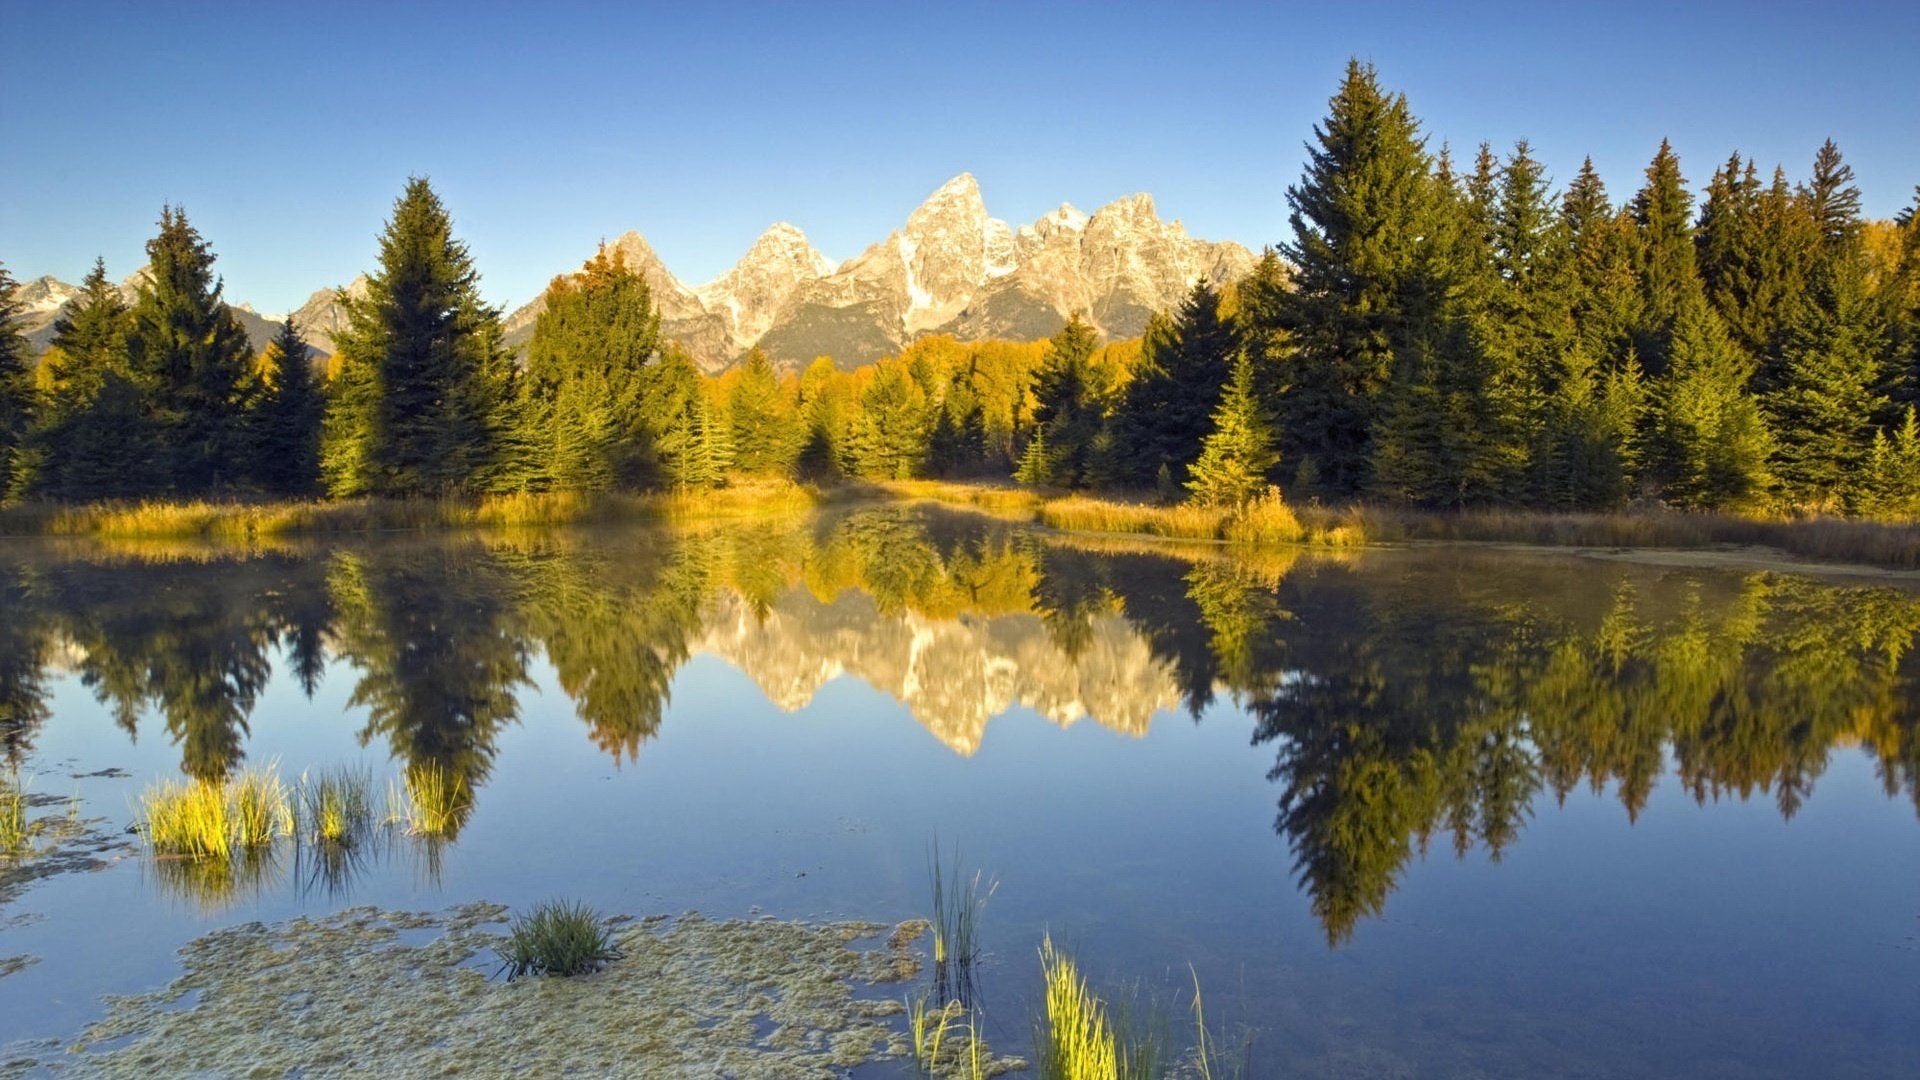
[336, 806]
[558, 937]
[957, 905]
[432, 803]
[15, 832]
[1073, 1040]
[213, 819]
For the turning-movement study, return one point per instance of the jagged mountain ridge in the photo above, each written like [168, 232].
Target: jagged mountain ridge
[950, 269]
[44, 299]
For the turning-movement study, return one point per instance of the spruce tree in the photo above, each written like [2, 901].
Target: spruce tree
[423, 376]
[1830, 392]
[1711, 443]
[1238, 454]
[287, 420]
[18, 395]
[1069, 405]
[893, 427]
[1358, 217]
[1669, 275]
[1603, 279]
[579, 418]
[766, 437]
[1890, 487]
[193, 363]
[1167, 409]
[93, 439]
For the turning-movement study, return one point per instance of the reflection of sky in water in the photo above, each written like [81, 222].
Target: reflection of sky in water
[1701, 939]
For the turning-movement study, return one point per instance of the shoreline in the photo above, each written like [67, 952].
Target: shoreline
[1822, 545]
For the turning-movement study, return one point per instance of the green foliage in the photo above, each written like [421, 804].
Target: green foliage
[190, 358]
[93, 439]
[1360, 216]
[18, 396]
[1711, 441]
[423, 377]
[1662, 213]
[558, 937]
[287, 419]
[1167, 409]
[1238, 456]
[894, 427]
[580, 416]
[765, 425]
[1070, 396]
[1890, 486]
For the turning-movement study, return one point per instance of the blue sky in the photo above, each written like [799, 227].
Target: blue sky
[286, 130]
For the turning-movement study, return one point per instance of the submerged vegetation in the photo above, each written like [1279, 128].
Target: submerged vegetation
[558, 937]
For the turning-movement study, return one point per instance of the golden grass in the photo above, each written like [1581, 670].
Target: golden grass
[16, 834]
[216, 819]
[253, 522]
[1077, 1041]
[433, 801]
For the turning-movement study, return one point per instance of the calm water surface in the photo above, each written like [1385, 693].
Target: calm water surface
[1440, 813]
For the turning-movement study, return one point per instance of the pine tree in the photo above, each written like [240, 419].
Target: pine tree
[192, 362]
[579, 419]
[1603, 280]
[18, 395]
[1238, 455]
[1830, 392]
[1669, 275]
[1358, 217]
[1167, 409]
[92, 439]
[765, 429]
[893, 427]
[1069, 404]
[422, 374]
[1891, 485]
[287, 420]
[1711, 440]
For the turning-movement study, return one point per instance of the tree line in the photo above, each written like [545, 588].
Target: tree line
[1432, 334]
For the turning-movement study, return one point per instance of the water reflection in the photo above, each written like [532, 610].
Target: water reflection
[1405, 696]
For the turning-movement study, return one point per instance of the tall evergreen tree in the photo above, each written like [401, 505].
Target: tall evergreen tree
[18, 395]
[1069, 402]
[92, 439]
[1830, 393]
[1603, 280]
[192, 361]
[891, 432]
[1711, 443]
[1358, 216]
[580, 418]
[1669, 274]
[287, 420]
[423, 375]
[1167, 408]
[765, 430]
[1238, 453]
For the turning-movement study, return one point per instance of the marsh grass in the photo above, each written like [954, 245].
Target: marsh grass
[16, 833]
[958, 903]
[336, 806]
[558, 937]
[207, 819]
[936, 1042]
[432, 802]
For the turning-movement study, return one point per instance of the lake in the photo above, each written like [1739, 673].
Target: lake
[1443, 811]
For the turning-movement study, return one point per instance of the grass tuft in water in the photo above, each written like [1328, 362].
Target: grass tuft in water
[558, 937]
[15, 833]
[937, 1049]
[957, 906]
[213, 819]
[433, 802]
[1074, 1039]
[336, 806]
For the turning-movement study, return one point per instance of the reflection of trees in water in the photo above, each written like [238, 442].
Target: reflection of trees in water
[1433, 704]
[24, 645]
[1406, 697]
[439, 664]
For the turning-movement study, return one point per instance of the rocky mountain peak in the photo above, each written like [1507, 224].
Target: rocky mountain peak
[749, 297]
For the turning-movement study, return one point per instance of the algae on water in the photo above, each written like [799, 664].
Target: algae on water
[354, 994]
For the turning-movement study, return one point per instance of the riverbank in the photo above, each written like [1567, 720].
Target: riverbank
[1266, 522]
[1883, 545]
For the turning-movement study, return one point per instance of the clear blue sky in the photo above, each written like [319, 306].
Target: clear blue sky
[286, 130]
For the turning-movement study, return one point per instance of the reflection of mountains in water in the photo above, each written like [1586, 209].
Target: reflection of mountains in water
[952, 675]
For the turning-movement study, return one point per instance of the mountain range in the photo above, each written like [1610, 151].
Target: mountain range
[950, 269]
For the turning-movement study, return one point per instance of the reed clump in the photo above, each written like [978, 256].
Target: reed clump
[214, 819]
[958, 903]
[432, 801]
[558, 937]
[16, 833]
[336, 806]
